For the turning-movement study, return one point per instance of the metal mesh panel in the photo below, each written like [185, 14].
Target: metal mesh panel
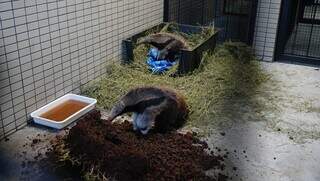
[239, 7]
[190, 11]
[310, 11]
[233, 26]
[304, 39]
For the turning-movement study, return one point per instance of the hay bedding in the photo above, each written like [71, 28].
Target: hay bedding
[229, 73]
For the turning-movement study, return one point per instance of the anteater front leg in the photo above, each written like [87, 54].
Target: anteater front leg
[147, 119]
[134, 121]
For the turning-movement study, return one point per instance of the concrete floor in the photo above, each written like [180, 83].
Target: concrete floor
[280, 143]
[284, 143]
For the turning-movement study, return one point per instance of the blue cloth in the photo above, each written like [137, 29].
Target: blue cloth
[158, 66]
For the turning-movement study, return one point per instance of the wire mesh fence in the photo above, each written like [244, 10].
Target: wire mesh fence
[233, 18]
[304, 39]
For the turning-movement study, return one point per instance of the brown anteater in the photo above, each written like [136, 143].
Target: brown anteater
[160, 107]
[168, 44]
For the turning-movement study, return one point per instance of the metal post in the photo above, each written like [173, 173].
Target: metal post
[202, 14]
[179, 11]
[252, 21]
[166, 11]
[311, 31]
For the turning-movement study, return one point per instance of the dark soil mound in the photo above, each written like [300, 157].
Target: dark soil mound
[118, 152]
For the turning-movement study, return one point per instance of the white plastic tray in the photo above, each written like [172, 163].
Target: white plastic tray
[61, 124]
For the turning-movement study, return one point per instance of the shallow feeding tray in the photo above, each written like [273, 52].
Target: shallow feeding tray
[63, 111]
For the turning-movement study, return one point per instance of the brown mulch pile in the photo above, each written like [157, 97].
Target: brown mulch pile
[117, 151]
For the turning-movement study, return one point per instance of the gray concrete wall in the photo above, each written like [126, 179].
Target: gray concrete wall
[267, 19]
[51, 47]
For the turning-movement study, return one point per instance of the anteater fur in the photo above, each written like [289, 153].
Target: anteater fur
[168, 44]
[160, 107]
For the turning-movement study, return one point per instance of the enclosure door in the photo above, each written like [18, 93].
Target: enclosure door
[309, 12]
[299, 32]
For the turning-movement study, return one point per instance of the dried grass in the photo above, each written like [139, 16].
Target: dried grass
[230, 73]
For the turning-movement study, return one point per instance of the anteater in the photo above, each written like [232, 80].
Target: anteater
[158, 107]
[168, 44]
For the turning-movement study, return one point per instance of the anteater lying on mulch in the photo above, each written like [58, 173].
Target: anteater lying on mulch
[153, 107]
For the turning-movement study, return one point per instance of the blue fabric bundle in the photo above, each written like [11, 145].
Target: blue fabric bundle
[158, 66]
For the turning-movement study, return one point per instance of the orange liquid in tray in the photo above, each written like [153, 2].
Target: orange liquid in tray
[64, 110]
